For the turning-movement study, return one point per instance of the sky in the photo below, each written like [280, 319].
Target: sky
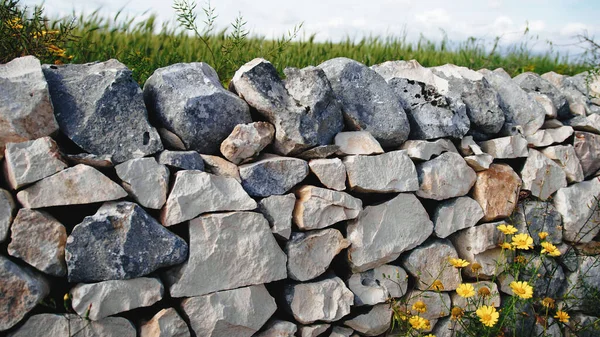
[548, 20]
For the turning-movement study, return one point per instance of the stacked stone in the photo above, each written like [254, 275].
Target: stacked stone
[293, 207]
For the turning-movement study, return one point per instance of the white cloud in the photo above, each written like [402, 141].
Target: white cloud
[495, 4]
[573, 28]
[435, 17]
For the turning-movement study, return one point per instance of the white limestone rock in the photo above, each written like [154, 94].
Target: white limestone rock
[278, 328]
[589, 123]
[309, 254]
[243, 239]
[331, 172]
[313, 330]
[587, 149]
[479, 162]
[389, 172]
[319, 207]
[221, 167]
[480, 244]
[546, 137]
[146, 181]
[7, 212]
[578, 206]
[565, 157]
[278, 210]
[30, 161]
[107, 298]
[424, 150]
[542, 176]
[382, 232]
[357, 142]
[246, 141]
[456, 214]
[340, 331]
[446, 176]
[197, 192]
[166, 323]
[374, 322]
[469, 147]
[239, 312]
[325, 300]
[506, 147]
[429, 262]
[54, 325]
[378, 285]
[72, 186]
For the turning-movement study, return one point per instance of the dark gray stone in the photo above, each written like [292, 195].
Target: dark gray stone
[368, 102]
[533, 217]
[184, 160]
[188, 100]
[272, 175]
[121, 241]
[534, 83]
[303, 110]
[100, 107]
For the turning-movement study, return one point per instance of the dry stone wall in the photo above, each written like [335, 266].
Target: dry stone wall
[275, 207]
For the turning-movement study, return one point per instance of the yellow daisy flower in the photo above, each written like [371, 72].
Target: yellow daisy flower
[487, 315]
[522, 241]
[543, 235]
[562, 316]
[507, 229]
[475, 267]
[484, 292]
[430, 335]
[458, 263]
[506, 245]
[465, 290]
[548, 302]
[437, 285]
[550, 249]
[456, 313]
[419, 323]
[521, 289]
[419, 306]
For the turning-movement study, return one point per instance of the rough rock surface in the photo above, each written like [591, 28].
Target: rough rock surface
[272, 175]
[357, 142]
[432, 257]
[166, 323]
[318, 207]
[21, 290]
[340, 331]
[318, 152]
[30, 161]
[456, 214]
[520, 109]
[303, 110]
[547, 104]
[506, 147]
[241, 238]
[480, 244]
[102, 98]
[170, 140]
[378, 285]
[587, 148]
[382, 232]
[577, 204]
[26, 111]
[220, 167]
[189, 100]
[51, 325]
[96, 161]
[7, 211]
[196, 192]
[313, 330]
[71, 186]
[278, 210]
[184, 160]
[39, 239]
[541, 176]
[325, 300]
[103, 299]
[566, 158]
[589, 123]
[446, 176]
[146, 181]
[123, 242]
[278, 328]
[368, 102]
[424, 150]
[374, 322]
[247, 310]
[309, 254]
[545, 137]
[331, 172]
[534, 83]
[246, 141]
[497, 191]
[533, 217]
[479, 162]
[388, 172]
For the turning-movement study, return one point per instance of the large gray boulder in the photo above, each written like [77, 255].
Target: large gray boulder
[7, 213]
[21, 289]
[99, 300]
[325, 300]
[303, 110]
[444, 177]
[382, 232]
[54, 325]
[76, 185]
[506, 147]
[239, 312]
[535, 84]
[318, 207]
[146, 181]
[533, 217]
[189, 100]
[196, 192]
[455, 214]
[368, 102]
[578, 206]
[331, 172]
[388, 172]
[373, 322]
[521, 110]
[121, 241]
[272, 175]
[102, 98]
[26, 111]
[28, 162]
[541, 176]
[566, 158]
[243, 239]
[431, 114]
